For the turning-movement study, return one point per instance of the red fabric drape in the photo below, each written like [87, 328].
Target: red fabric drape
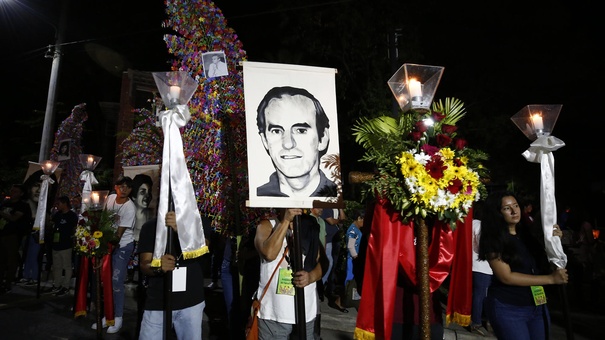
[82, 289]
[459, 298]
[390, 245]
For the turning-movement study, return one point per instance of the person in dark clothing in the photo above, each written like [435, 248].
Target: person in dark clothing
[516, 301]
[64, 221]
[15, 215]
[187, 304]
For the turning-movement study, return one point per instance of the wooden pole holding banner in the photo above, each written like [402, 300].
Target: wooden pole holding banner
[168, 275]
[299, 295]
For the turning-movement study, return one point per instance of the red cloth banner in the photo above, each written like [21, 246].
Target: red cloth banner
[391, 245]
[459, 298]
[82, 288]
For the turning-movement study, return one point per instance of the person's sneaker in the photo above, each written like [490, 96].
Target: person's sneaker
[103, 322]
[62, 291]
[31, 283]
[116, 326]
[50, 290]
[478, 329]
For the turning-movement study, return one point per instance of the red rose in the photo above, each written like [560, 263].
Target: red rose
[429, 149]
[420, 126]
[416, 135]
[443, 140]
[449, 129]
[438, 116]
[460, 143]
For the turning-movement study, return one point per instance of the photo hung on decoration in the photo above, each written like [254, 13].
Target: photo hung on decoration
[292, 135]
[64, 150]
[215, 64]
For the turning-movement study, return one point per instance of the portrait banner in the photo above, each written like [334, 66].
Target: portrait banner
[145, 193]
[292, 135]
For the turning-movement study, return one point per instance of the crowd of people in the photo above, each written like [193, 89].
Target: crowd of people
[322, 275]
[510, 269]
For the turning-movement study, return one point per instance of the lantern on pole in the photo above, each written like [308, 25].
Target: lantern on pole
[537, 122]
[176, 189]
[89, 163]
[414, 86]
[48, 167]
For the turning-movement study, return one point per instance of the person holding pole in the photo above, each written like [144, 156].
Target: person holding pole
[187, 297]
[274, 243]
[516, 301]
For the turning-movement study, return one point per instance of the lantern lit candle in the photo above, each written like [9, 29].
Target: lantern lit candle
[89, 162]
[175, 92]
[95, 198]
[415, 88]
[536, 118]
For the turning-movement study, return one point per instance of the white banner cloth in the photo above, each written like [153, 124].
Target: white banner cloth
[540, 151]
[175, 180]
[40, 221]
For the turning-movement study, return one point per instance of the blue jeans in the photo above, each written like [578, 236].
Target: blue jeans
[350, 275]
[518, 322]
[187, 323]
[119, 264]
[273, 330]
[481, 282]
[227, 283]
[30, 267]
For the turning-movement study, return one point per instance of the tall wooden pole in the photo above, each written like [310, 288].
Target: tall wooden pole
[422, 263]
[299, 295]
[168, 276]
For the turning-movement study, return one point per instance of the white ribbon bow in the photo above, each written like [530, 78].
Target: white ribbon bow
[89, 179]
[540, 151]
[40, 221]
[175, 180]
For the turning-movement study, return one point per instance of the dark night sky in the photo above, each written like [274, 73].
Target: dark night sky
[499, 58]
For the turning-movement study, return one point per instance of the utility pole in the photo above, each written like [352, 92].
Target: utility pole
[49, 116]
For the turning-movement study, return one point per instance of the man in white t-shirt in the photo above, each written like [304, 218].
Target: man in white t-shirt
[120, 204]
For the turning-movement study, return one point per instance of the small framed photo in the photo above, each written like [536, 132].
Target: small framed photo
[215, 64]
[64, 150]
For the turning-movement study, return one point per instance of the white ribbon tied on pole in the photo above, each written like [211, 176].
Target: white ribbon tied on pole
[540, 151]
[40, 221]
[175, 178]
[89, 179]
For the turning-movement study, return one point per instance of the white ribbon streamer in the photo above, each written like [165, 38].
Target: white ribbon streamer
[40, 221]
[540, 151]
[175, 178]
[89, 179]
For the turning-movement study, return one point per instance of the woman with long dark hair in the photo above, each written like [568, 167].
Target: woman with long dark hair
[516, 302]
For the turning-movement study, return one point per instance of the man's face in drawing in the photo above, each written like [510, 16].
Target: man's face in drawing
[291, 135]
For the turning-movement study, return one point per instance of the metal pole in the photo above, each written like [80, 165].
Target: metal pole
[49, 116]
[566, 314]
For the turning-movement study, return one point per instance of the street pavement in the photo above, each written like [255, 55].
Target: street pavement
[25, 315]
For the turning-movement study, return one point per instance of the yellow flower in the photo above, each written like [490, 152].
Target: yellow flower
[97, 234]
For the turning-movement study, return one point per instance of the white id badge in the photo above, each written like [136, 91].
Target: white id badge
[179, 279]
